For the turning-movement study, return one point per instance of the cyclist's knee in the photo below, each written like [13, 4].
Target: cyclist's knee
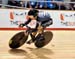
[34, 33]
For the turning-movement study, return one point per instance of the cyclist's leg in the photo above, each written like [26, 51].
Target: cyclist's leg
[40, 29]
[33, 34]
[41, 33]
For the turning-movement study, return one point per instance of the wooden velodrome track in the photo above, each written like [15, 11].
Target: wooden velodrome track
[62, 46]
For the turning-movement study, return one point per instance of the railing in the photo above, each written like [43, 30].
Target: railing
[60, 5]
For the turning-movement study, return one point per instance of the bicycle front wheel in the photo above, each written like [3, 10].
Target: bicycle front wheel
[17, 40]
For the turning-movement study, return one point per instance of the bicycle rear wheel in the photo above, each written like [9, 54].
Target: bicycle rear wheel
[42, 41]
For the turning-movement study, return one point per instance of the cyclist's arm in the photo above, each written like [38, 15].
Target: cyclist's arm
[23, 24]
[29, 19]
[27, 22]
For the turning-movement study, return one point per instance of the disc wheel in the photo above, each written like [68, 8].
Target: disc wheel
[17, 40]
[47, 37]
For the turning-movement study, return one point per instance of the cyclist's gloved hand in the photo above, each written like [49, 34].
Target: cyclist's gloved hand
[21, 25]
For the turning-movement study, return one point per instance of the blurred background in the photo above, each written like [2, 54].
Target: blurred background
[39, 4]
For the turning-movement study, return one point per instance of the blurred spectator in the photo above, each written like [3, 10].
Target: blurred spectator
[52, 5]
[24, 4]
[60, 4]
[56, 6]
[73, 5]
[68, 6]
[15, 3]
[11, 2]
[41, 5]
[32, 4]
[62, 7]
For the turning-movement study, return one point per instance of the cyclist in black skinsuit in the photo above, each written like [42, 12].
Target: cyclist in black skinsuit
[33, 16]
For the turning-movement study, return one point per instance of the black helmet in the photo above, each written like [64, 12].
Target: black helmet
[33, 12]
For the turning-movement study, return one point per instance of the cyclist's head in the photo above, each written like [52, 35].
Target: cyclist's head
[33, 12]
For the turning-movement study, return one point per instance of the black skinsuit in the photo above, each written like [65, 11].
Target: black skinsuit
[45, 21]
